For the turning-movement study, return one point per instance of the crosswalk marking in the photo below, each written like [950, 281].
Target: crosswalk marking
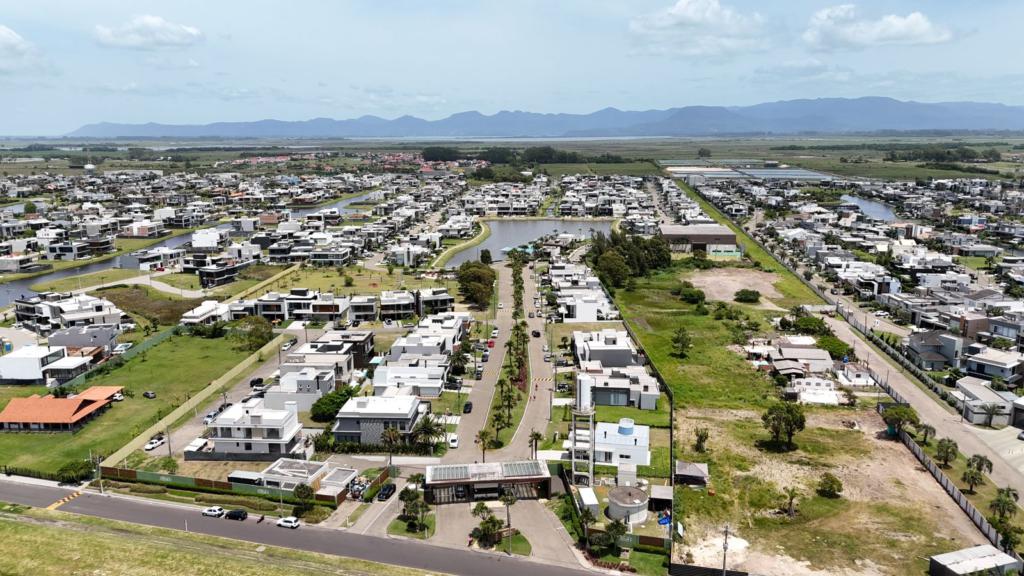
[543, 380]
[64, 500]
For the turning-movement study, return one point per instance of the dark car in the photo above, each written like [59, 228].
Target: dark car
[460, 492]
[467, 407]
[255, 382]
[535, 333]
[149, 394]
[236, 515]
[385, 492]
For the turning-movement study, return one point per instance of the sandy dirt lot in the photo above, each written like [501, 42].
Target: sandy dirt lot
[723, 283]
[889, 474]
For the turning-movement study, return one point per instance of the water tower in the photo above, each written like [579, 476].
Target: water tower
[581, 433]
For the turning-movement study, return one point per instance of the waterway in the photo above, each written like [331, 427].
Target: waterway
[511, 233]
[342, 206]
[871, 208]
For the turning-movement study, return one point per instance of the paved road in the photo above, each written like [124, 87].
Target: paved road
[310, 538]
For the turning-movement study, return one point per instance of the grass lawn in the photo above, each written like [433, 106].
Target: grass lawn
[173, 369]
[657, 418]
[399, 527]
[98, 546]
[449, 402]
[8, 392]
[181, 280]
[647, 564]
[711, 376]
[506, 434]
[793, 290]
[364, 280]
[86, 280]
[520, 545]
[165, 309]
[972, 262]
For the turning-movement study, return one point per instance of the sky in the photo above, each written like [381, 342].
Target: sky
[66, 63]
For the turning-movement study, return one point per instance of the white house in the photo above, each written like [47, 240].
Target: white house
[253, 429]
[304, 387]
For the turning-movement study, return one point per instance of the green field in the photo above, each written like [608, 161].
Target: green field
[399, 527]
[154, 305]
[640, 168]
[86, 280]
[98, 546]
[174, 369]
[181, 280]
[364, 280]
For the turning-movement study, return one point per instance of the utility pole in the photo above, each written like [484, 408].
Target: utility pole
[725, 551]
[167, 434]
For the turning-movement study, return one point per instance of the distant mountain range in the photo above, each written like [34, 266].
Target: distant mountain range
[823, 115]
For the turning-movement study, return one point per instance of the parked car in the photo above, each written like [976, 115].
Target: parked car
[501, 305]
[117, 397]
[531, 315]
[494, 333]
[467, 407]
[149, 394]
[453, 441]
[210, 417]
[255, 382]
[490, 343]
[1020, 436]
[545, 348]
[155, 443]
[122, 348]
[386, 491]
[237, 514]
[535, 333]
[213, 511]
[485, 356]
[356, 323]
[287, 345]
[288, 522]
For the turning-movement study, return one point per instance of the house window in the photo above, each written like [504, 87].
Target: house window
[248, 446]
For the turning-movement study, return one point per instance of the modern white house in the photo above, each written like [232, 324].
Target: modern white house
[977, 399]
[363, 419]
[625, 386]
[613, 348]
[209, 312]
[251, 429]
[304, 387]
[614, 444]
[50, 311]
[38, 365]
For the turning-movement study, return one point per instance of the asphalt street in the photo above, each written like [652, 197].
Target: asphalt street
[393, 551]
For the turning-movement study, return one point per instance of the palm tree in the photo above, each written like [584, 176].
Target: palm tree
[484, 438]
[927, 431]
[972, 477]
[588, 520]
[508, 498]
[981, 463]
[946, 450]
[1009, 492]
[427, 431]
[991, 410]
[391, 437]
[535, 438]
[791, 494]
[1003, 506]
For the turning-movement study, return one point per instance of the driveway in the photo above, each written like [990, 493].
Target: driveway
[1005, 443]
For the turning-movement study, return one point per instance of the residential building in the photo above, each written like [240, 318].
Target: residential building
[39, 365]
[363, 419]
[612, 348]
[251, 429]
[51, 414]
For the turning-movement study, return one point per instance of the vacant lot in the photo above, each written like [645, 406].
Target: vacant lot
[159, 307]
[86, 280]
[174, 369]
[97, 546]
[891, 516]
[723, 283]
[364, 280]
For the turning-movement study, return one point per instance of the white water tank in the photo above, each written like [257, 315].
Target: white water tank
[628, 504]
[584, 398]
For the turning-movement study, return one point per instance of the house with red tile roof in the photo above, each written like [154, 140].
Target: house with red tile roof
[51, 414]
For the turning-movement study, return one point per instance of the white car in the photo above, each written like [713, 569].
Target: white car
[286, 346]
[117, 397]
[213, 511]
[288, 522]
[122, 348]
[453, 441]
[494, 333]
[155, 443]
[501, 305]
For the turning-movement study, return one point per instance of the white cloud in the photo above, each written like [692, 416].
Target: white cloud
[148, 32]
[838, 27]
[16, 53]
[698, 28]
[805, 70]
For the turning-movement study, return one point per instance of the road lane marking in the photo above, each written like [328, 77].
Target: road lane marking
[64, 500]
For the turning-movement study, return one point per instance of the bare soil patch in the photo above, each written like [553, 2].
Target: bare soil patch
[723, 283]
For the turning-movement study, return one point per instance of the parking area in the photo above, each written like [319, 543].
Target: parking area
[1005, 443]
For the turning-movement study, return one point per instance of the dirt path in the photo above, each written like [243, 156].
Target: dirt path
[723, 283]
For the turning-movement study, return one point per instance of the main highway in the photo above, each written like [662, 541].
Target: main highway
[402, 552]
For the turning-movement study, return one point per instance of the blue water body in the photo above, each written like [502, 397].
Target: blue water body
[871, 208]
[511, 233]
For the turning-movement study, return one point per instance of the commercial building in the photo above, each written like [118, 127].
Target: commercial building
[448, 483]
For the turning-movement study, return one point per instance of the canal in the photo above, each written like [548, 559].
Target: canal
[871, 208]
[509, 233]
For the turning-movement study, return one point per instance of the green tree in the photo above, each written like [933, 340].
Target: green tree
[980, 462]
[535, 440]
[616, 530]
[485, 256]
[252, 333]
[1004, 505]
[791, 494]
[830, 486]
[946, 450]
[925, 430]
[587, 520]
[613, 267]
[900, 416]
[747, 296]
[391, 438]
[703, 152]
[681, 342]
[784, 419]
[428, 431]
[972, 477]
[304, 493]
[484, 438]
[991, 410]
[702, 435]
[349, 281]
[508, 499]
[326, 408]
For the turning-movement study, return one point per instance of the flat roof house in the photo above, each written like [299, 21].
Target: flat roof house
[613, 348]
[990, 363]
[252, 431]
[364, 418]
[712, 239]
[38, 365]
